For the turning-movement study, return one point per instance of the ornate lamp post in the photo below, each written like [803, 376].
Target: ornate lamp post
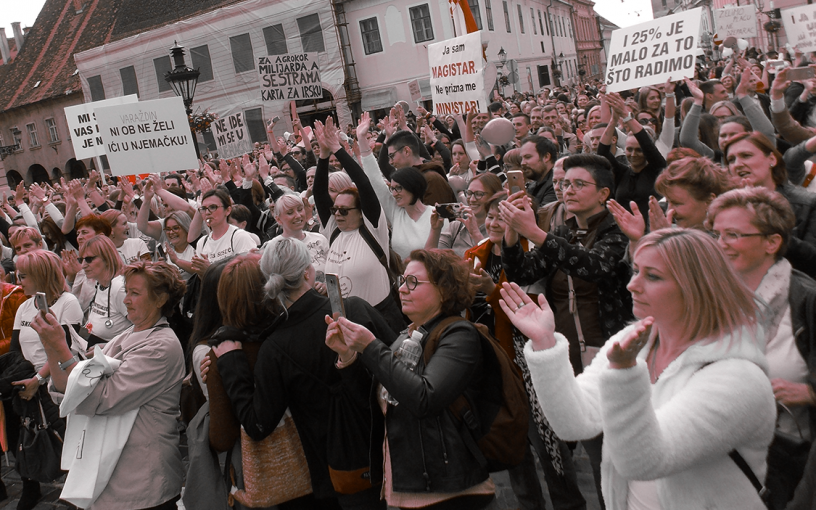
[501, 79]
[183, 80]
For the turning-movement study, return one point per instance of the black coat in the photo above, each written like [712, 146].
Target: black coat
[803, 316]
[260, 399]
[802, 249]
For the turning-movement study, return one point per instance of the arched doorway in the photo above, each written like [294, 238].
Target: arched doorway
[56, 174]
[75, 169]
[13, 178]
[39, 174]
[310, 110]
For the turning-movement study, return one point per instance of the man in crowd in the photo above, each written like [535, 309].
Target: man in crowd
[403, 151]
[538, 156]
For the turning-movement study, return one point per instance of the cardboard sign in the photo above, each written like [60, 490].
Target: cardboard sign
[457, 75]
[293, 76]
[739, 22]
[84, 130]
[231, 136]
[800, 27]
[150, 136]
[413, 88]
[651, 52]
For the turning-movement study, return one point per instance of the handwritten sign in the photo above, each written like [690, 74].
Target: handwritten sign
[651, 52]
[737, 22]
[800, 27]
[85, 135]
[413, 88]
[291, 76]
[149, 136]
[231, 136]
[457, 75]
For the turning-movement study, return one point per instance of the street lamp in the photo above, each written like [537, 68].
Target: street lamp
[183, 80]
[501, 79]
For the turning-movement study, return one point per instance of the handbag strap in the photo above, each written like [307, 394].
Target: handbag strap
[764, 493]
[573, 308]
[787, 409]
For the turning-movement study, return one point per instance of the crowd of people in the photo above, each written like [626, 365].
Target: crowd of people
[650, 287]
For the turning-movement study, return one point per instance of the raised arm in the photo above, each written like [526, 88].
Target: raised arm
[759, 122]
[143, 223]
[689, 132]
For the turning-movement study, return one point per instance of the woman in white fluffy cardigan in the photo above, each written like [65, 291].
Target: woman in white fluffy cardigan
[674, 393]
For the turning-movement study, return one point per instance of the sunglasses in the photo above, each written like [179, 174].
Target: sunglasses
[342, 210]
[86, 260]
[650, 120]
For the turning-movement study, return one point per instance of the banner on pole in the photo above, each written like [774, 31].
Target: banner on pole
[413, 88]
[293, 76]
[84, 129]
[231, 136]
[800, 27]
[149, 136]
[739, 22]
[651, 52]
[457, 75]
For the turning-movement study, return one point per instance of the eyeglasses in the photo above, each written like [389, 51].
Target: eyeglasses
[730, 237]
[342, 210]
[396, 189]
[86, 260]
[649, 120]
[478, 195]
[177, 228]
[558, 183]
[391, 155]
[577, 184]
[209, 209]
[409, 281]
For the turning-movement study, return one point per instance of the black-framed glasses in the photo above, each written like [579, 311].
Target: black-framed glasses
[478, 195]
[86, 260]
[396, 189]
[342, 210]
[409, 281]
[730, 237]
[392, 154]
[578, 184]
[648, 120]
[176, 228]
[209, 209]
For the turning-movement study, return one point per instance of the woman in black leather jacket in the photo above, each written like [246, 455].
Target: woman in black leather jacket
[427, 463]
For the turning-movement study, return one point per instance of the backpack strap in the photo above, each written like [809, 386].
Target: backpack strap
[334, 234]
[375, 247]
[764, 493]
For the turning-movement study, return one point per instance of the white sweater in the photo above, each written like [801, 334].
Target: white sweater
[713, 398]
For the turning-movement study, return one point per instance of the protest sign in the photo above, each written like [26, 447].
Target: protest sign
[739, 22]
[292, 76]
[800, 27]
[413, 88]
[149, 136]
[84, 130]
[457, 75]
[651, 52]
[231, 136]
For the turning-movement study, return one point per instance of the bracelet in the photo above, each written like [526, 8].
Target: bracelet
[40, 379]
[670, 94]
[64, 365]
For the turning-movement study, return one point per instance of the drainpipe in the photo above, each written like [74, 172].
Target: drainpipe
[552, 41]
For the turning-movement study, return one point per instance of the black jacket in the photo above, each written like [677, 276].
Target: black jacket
[260, 399]
[424, 439]
[803, 316]
[802, 249]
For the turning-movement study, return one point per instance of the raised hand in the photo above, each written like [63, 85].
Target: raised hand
[632, 223]
[696, 93]
[535, 321]
[623, 353]
[657, 219]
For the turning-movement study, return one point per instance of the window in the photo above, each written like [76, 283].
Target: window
[201, 61]
[311, 35]
[162, 66]
[489, 12]
[552, 27]
[477, 15]
[33, 139]
[521, 19]
[53, 134]
[15, 135]
[242, 58]
[129, 83]
[542, 47]
[506, 15]
[532, 15]
[255, 125]
[275, 40]
[541, 25]
[543, 76]
[663, 3]
[370, 31]
[421, 22]
[569, 24]
[97, 90]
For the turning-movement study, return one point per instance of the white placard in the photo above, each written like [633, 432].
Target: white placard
[293, 76]
[84, 130]
[231, 136]
[457, 75]
[147, 137]
[739, 22]
[413, 88]
[800, 27]
[651, 52]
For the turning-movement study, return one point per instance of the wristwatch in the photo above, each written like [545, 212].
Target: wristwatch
[65, 364]
[627, 118]
[40, 379]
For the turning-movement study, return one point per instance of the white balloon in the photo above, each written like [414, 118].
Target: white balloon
[743, 44]
[727, 52]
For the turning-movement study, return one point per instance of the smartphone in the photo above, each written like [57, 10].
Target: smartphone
[41, 302]
[449, 211]
[276, 119]
[12, 278]
[800, 73]
[515, 181]
[335, 296]
[160, 251]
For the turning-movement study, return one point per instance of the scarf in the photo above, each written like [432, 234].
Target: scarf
[773, 292]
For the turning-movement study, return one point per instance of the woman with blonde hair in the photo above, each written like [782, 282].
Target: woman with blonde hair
[682, 396]
[107, 315]
[291, 214]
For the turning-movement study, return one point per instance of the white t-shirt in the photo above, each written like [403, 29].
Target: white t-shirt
[66, 310]
[102, 310]
[357, 267]
[234, 242]
[132, 250]
[187, 256]
[318, 247]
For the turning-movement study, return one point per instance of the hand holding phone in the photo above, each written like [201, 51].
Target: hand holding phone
[335, 295]
[41, 302]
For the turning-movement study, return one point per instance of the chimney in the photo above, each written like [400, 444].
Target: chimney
[4, 47]
[18, 35]
[79, 6]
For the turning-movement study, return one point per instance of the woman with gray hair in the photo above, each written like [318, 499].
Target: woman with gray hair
[295, 369]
